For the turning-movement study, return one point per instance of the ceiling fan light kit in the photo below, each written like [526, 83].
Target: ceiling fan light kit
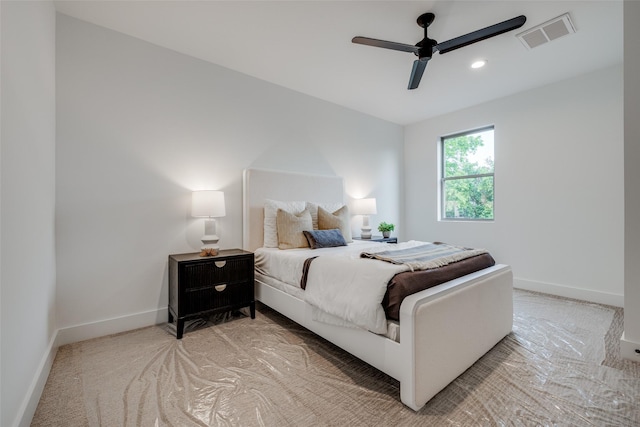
[426, 47]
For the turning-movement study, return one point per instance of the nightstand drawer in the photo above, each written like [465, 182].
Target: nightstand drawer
[210, 273]
[220, 297]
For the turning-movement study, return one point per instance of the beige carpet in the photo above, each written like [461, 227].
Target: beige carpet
[560, 366]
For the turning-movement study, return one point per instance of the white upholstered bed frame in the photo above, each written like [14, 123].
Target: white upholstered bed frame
[443, 330]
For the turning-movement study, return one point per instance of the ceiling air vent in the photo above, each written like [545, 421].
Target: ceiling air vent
[546, 32]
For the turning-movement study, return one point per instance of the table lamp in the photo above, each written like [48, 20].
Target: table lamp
[210, 205]
[365, 207]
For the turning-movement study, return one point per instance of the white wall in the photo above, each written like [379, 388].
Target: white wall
[140, 127]
[27, 191]
[1, 412]
[558, 186]
[631, 338]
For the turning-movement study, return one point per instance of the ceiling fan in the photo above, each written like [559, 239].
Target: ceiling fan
[425, 48]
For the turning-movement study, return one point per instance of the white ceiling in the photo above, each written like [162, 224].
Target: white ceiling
[306, 46]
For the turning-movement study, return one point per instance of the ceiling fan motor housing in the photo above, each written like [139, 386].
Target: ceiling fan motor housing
[425, 45]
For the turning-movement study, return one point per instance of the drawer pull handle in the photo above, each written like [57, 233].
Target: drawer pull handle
[220, 288]
[220, 264]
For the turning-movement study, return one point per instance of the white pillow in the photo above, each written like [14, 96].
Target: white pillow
[270, 214]
[313, 210]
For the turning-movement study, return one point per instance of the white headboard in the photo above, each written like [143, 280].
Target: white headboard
[261, 184]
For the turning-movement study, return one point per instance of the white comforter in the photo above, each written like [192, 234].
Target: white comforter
[351, 290]
[343, 286]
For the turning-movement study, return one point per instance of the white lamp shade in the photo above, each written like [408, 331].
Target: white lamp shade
[364, 206]
[207, 204]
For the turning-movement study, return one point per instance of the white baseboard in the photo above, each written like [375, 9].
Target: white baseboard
[32, 398]
[569, 292]
[629, 350]
[111, 326]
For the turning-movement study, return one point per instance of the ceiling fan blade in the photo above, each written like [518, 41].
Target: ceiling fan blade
[479, 35]
[385, 44]
[419, 66]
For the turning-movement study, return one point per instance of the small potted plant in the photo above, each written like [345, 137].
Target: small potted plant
[386, 229]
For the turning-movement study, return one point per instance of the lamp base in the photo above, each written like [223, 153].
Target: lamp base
[208, 246]
[366, 228]
[210, 238]
[209, 243]
[365, 233]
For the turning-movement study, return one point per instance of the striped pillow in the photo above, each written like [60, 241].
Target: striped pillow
[290, 228]
[270, 213]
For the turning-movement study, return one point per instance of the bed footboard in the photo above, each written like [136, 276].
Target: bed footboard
[448, 329]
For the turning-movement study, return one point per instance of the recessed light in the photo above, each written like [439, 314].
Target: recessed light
[479, 64]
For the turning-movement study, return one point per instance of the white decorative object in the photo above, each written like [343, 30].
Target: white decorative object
[365, 207]
[208, 204]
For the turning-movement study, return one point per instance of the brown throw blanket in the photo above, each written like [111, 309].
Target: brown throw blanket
[410, 282]
[305, 271]
[425, 257]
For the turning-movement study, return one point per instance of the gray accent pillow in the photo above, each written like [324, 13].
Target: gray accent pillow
[325, 238]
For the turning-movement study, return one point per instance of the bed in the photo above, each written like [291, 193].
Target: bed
[443, 330]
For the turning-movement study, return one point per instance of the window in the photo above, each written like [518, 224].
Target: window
[467, 175]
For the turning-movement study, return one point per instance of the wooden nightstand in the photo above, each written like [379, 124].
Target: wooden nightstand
[378, 239]
[201, 285]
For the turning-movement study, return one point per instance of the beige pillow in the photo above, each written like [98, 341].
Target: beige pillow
[313, 210]
[338, 219]
[291, 227]
[270, 212]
